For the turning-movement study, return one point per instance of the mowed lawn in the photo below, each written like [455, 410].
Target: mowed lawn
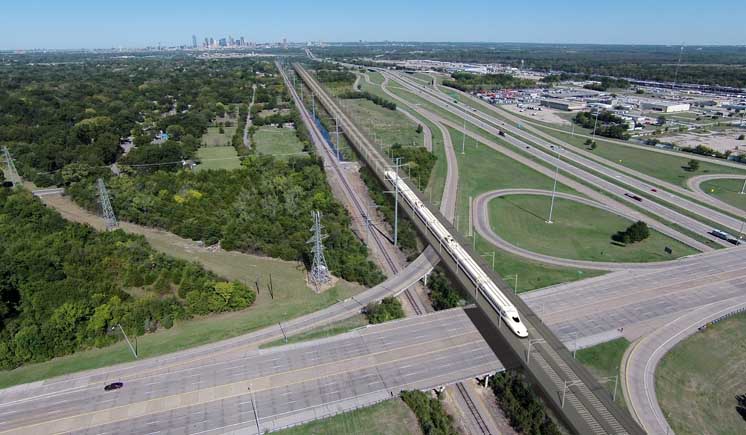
[579, 231]
[390, 126]
[328, 330]
[698, 380]
[218, 158]
[213, 137]
[280, 142]
[392, 417]
[603, 361]
[726, 190]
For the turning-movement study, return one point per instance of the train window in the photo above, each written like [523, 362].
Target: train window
[516, 319]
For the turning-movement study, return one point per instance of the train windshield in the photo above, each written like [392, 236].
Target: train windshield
[516, 319]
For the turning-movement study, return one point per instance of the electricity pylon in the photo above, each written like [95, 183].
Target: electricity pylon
[106, 209]
[319, 271]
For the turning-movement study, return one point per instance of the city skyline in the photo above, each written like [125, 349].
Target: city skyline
[46, 24]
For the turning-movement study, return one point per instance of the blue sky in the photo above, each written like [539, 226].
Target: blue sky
[136, 23]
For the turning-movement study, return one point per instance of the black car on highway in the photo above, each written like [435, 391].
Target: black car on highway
[114, 386]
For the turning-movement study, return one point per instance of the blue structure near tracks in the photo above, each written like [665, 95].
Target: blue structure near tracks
[328, 140]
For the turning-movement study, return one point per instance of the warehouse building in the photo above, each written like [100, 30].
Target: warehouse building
[664, 106]
[560, 104]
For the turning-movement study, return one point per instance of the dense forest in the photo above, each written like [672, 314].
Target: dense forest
[79, 111]
[710, 65]
[263, 208]
[524, 409]
[468, 82]
[63, 285]
[431, 415]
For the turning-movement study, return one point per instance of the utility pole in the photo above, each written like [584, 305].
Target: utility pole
[313, 105]
[12, 172]
[471, 223]
[743, 188]
[319, 270]
[594, 124]
[463, 141]
[106, 209]
[336, 126]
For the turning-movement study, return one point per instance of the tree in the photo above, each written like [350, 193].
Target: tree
[419, 129]
[636, 232]
[661, 120]
[2, 175]
[388, 309]
[693, 165]
[741, 137]
[175, 131]
[593, 145]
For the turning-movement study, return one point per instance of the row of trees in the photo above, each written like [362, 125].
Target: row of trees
[443, 293]
[524, 409]
[607, 124]
[370, 97]
[430, 414]
[468, 82]
[63, 286]
[263, 208]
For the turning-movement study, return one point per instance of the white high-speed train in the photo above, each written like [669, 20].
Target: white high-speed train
[478, 277]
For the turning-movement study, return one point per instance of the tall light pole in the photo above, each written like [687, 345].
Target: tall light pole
[554, 188]
[134, 350]
[493, 258]
[595, 123]
[743, 187]
[463, 139]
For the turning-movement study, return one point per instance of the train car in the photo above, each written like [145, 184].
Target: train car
[501, 304]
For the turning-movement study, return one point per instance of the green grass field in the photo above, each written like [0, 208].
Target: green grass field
[727, 191]
[392, 417]
[292, 298]
[213, 137]
[603, 361]
[579, 231]
[698, 380]
[281, 142]
[389, 126]
[328, 330]
[218, 158]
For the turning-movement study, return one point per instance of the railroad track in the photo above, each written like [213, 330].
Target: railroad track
[481, 425]
[351, 194]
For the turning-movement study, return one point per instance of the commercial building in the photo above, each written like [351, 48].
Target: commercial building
[559, 104]
[664, 106]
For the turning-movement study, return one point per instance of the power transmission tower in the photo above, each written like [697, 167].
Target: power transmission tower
[11, 167]
[319, 271]
[108, 212]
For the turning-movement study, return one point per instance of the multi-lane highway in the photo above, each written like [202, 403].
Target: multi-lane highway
[258, 390]
[583, 168]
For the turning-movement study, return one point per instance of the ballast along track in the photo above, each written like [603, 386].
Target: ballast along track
[317, 137]
[588, 408]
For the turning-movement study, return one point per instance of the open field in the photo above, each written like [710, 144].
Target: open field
[281, 142]
[390, 126]
[392, 417]
[698, 380]
[603, 360]
[292, 298]
[579, 231]
[333, 328]
[726, 191]
[218, 158]
[213, 137]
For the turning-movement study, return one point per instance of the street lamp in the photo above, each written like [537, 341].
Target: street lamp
[133, 349]
[554, 188]
[515, 288]
[743, 187]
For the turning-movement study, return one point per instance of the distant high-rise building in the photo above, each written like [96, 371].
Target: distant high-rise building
[207, 43]
[212, 42]
[231, 41]
[243, 42]
[194, 41]
[284, 42]
[222, 42]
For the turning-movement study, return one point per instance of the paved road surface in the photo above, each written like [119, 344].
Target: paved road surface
[288, 385]
[638, 301]
[482, 226]
[547, 153]
[643, 358]
[571, 182]
[693, 183]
